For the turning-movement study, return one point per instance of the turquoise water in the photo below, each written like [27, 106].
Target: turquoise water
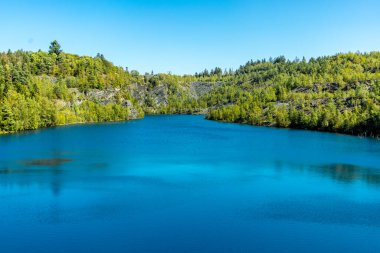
[184, 184]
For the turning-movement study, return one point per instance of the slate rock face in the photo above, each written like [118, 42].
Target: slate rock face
[103, 97]
[138, 91]
[141, 95]
[160, 95]
[198, 89]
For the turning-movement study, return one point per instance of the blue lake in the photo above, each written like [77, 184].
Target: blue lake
[185, 184]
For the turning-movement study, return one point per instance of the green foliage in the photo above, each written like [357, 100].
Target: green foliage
[7, 119]
[39, 89]
[339, 93]
[55, 48]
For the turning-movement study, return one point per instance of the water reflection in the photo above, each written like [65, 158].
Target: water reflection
[43, 171]
[317, 209]
[344, 173]
[54, 172]
[50, 162]
[349, 173]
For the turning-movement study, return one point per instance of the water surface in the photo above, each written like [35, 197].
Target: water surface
[184, 184]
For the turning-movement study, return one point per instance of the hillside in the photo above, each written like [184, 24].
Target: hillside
[338, 93]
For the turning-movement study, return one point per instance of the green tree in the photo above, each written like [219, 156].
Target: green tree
[7, 120]
[55, 48]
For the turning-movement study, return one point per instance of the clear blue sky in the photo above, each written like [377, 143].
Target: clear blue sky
[188, 36]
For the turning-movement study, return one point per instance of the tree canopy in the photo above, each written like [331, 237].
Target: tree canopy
[339, 93]
[55, 48]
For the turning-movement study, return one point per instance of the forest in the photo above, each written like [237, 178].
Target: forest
[339, 93]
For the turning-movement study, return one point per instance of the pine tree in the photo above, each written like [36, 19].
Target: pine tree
[7, 121]
[55, 48]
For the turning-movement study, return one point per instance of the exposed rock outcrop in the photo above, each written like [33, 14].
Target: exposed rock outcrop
[198, 89]
[103, 97]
